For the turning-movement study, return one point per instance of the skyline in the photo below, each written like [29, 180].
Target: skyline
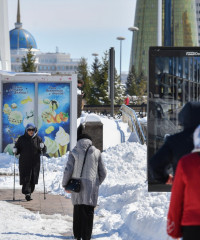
[76, 28]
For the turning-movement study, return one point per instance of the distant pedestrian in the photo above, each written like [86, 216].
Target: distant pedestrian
[29, 146]
[127, 100]
[175, 146]
[184, 211]
[93, 174]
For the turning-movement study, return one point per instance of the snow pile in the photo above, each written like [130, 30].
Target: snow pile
[7, 164]
[25, 225]
[126, 211]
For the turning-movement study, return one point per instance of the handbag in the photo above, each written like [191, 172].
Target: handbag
[74, 184]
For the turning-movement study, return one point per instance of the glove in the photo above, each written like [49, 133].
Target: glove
[14, 150]
[41, 145]
[170, 180]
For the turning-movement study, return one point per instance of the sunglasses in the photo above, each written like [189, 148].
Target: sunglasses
[32, 130]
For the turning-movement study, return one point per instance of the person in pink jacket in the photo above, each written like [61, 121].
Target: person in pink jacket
[183, 218]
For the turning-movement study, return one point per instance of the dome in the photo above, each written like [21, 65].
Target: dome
[21, 38]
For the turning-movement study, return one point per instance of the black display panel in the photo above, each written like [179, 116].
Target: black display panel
[174, 79]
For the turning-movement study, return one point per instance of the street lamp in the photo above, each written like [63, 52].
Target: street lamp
[132, 29]
[120, 39]
[95, 54]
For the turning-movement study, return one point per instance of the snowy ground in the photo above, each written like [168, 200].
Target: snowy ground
[126, 211]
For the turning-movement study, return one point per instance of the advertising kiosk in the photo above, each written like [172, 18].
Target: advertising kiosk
[50, 102]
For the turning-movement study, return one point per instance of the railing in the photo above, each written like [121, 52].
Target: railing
[106, 109]
[129, 116]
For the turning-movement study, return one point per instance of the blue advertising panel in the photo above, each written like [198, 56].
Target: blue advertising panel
[18, 111]
[54, 117]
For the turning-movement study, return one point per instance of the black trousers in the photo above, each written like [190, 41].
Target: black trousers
[29, 186]
[191, 232]
[83, 221]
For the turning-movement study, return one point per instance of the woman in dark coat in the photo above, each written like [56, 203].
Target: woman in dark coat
[29, 146]
[176, 145]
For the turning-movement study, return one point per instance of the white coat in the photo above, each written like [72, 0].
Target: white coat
[93, 174]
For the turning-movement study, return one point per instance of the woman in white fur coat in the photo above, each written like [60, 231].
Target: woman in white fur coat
[93, 175]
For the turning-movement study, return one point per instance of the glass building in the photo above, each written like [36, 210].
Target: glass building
[198, 17]
[179, 28]
[174, 79]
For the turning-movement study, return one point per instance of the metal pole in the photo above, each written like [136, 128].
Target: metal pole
[120, 59]
[132, 29]
[120, 39]
[43, 174]
[112, 77]
[14, 179]
[159, 26]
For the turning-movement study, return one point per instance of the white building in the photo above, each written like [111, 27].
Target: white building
[4, 37]
[57, 63]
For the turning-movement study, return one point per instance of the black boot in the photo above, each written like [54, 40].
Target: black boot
[28, 197]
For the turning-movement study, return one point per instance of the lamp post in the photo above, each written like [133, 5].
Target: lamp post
[159, 27]
[95, 54]
[132, 29]
[120, 39]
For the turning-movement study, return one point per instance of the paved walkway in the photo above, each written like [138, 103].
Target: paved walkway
[53, 204]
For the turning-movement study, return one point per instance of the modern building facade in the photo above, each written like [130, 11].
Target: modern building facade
[179, 28]
[4, 37]
[198, 18]
[21, 40]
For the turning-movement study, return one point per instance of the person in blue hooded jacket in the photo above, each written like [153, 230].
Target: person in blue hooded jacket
[175, 146]
[29, 146]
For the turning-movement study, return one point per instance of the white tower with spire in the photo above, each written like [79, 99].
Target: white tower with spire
[4, 37]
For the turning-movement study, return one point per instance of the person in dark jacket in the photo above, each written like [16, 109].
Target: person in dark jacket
[184, 211]
[175, 146]
[29, 146]
[93, 175]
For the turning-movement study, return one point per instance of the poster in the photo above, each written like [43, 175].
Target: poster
[18, 111]
[54, 117]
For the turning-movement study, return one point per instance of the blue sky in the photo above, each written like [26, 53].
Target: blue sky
[78, 27]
